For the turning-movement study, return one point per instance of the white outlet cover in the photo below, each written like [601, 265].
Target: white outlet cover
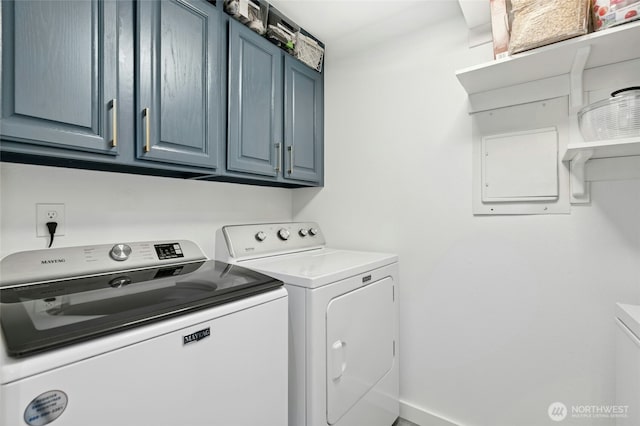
[42, 217]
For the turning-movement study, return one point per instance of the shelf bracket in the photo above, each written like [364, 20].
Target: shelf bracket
[578, 184]
[576, 75]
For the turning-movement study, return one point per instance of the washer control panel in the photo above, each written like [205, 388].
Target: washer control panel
[271, 238]
[168, 251]
[29, 267]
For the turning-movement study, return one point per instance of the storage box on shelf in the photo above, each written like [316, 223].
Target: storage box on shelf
[540, 22]
[607, 13]
[268, 21]
[252, 13]
[294, 40]
[309, 50]
[281, 31]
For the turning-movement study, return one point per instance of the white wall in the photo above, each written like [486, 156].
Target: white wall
[502, 315]
[105, 207]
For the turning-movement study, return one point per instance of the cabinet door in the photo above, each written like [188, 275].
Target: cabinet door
[59, 70]
[179, 82]
[255, 103]
[303, 133]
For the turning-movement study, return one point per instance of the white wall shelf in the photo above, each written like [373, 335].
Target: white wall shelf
[604, 149]
[579, 153]
[560, 65]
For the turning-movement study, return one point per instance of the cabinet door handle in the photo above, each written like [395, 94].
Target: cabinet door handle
[114, 121]
[278, 156]
[147, 143]
[290, 149]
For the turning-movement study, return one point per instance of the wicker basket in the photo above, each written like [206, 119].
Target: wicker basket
[309, 51]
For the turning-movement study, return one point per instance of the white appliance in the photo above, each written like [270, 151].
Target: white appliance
[135, 334]
[628, 363]
[343, 321]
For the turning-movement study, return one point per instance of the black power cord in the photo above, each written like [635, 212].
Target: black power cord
[52, 226]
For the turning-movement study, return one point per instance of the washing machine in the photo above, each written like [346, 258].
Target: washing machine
[343, 321]
[628, 364]
[140, 333]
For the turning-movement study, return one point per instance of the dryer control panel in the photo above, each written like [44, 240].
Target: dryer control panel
[249, 241]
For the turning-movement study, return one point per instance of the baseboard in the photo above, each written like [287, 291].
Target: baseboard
[422, 417]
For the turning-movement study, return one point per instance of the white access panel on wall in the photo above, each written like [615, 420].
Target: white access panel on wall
[360, 348]
[517, 167]
[520, 166]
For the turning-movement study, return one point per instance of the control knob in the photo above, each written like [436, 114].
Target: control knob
[283, 234]
[120, 252]
[313, 231]
[303, 232]
[261, 236]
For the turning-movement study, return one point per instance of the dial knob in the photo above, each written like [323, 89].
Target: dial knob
[283, 234]
[313, 231]
[303, 232]
[120, 252]
[261, 236]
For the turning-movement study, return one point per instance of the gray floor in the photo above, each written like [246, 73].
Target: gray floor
[403, 422]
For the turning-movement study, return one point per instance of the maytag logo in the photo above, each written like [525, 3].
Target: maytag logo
[194, 337]
[49, 261]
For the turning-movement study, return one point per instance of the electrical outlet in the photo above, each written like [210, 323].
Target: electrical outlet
[49, 213]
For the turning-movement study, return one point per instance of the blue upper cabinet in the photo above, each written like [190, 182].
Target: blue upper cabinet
[179, 74]
[158, 87]
[275, 112]
[59, 75]
[303, 122]
[255, 103]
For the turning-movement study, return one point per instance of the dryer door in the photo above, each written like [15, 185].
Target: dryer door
[360, 347]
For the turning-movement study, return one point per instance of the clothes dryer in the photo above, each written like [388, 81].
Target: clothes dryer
[343, 321]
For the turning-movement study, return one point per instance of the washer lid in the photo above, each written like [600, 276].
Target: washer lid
[49, 315]
[315, 268]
